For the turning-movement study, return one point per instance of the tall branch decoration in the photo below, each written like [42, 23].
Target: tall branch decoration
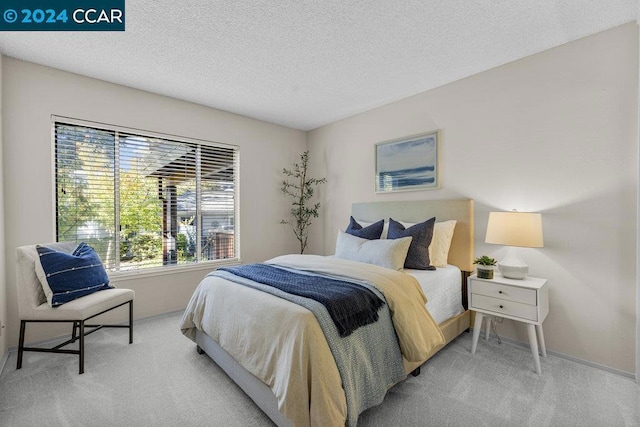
[301, 189]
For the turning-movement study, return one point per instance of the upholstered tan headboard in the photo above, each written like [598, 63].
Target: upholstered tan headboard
[462, 251]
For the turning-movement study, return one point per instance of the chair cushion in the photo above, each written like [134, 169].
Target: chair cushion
[83, 308]
[66, 277]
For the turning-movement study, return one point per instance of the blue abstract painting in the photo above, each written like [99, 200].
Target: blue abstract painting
[407, 164]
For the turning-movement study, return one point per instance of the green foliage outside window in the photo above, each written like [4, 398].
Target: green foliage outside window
[151, 184]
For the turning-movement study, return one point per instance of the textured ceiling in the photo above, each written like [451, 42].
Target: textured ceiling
[304, 64]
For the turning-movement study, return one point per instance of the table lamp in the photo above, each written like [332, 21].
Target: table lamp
[523, 229]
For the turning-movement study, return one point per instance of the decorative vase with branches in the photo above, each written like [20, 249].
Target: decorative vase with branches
[300, 188]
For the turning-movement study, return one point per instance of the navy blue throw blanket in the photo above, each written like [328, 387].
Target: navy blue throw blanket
[350, 305]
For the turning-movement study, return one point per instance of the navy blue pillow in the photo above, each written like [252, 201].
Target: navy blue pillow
[371, 232]
[74, 275]
[422, 233]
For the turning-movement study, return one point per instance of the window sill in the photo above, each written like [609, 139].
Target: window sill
[121, 276]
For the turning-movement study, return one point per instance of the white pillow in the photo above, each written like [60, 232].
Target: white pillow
[385, 253]
[440, 242]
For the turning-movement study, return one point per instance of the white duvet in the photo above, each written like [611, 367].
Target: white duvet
[282, 344]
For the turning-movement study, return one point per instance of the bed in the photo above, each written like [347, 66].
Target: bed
[230, 330]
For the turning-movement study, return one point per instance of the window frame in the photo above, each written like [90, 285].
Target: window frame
[165, 269]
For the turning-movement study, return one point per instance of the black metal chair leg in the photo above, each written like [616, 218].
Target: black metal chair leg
[81, 333]
[131, 322]
[23, 325]
[77, 334]
[73, 333]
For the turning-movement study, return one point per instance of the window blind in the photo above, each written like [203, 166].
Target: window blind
[145, 201]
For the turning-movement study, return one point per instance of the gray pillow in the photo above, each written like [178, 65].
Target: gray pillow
[385, 253]
[371, 232]
[422, 233]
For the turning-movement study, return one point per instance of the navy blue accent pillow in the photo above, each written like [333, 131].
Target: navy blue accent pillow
[422, 233]
[74, 275]
[372, 232]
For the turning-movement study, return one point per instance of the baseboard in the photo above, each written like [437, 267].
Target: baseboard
[157, 316]
[629, 375]
[3, 361]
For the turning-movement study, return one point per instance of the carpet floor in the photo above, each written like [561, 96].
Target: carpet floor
[160, 380]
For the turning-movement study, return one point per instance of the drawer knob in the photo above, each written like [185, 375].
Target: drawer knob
[499, 292]
[501, 306]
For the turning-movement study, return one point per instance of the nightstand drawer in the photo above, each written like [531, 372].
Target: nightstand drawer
[500, 306]
[505, 292]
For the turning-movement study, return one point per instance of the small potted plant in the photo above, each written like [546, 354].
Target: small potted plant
[485, 267]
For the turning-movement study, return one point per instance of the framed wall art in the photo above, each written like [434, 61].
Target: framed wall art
[408, 164]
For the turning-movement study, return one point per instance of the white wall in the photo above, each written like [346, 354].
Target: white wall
[32, 93]
[3, 288]
[638, 240]
[554, 133]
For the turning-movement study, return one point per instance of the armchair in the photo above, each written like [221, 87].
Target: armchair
[33, 306]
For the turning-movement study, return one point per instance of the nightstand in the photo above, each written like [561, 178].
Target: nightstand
[525, 301]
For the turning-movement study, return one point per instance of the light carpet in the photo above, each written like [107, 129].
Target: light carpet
[160, 380]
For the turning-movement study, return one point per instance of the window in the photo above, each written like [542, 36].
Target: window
[145, 200]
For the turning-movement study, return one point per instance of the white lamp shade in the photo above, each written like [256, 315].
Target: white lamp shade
[515, 229]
